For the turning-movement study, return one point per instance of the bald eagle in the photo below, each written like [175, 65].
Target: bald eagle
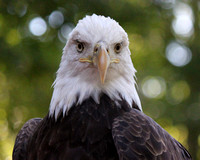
[95, 112]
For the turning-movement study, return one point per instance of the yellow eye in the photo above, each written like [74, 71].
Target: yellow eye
[80, 47]
[118, 47]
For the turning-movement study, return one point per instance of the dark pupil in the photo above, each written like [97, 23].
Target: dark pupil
[118, 47]
[79, 46]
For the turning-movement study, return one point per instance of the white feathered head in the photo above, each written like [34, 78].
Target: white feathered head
[95, 60]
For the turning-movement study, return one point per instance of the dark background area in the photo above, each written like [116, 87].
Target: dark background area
[165, 44]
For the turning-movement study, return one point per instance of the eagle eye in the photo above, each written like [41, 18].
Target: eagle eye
[79, 47]
[118, 47]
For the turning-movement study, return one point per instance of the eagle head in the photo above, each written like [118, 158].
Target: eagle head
[95, 60]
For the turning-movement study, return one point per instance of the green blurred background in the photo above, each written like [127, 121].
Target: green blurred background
[165, 44]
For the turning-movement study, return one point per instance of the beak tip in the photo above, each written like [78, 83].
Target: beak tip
[102, 81]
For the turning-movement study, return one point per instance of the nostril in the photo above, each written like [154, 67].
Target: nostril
[96, 49]
[107, 50]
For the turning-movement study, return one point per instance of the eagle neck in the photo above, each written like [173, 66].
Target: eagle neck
[103, 112]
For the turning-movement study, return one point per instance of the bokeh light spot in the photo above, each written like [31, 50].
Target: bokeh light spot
[64, 32]
[37, 26]
[153, 87]
[56, 19]
[19, 8]
[183, 22]
[179, 92]
[178, 55]
[13, 37]
[166, 4]
[182, 25]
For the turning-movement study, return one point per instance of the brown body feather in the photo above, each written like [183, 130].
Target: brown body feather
[104, 131]
[23, 137]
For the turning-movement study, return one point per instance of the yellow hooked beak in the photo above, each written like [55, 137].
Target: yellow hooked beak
[101, 59]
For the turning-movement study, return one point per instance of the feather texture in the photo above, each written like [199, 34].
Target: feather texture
[103, 131]
[23, 137]
[85, 133]
[75, 81]
[137, 136]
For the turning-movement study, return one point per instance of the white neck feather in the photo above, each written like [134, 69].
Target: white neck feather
[74, 90]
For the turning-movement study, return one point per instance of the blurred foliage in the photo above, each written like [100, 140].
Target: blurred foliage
[169, 94]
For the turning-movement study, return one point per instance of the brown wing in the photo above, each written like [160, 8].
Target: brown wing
[138, 137]
[22, 139]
